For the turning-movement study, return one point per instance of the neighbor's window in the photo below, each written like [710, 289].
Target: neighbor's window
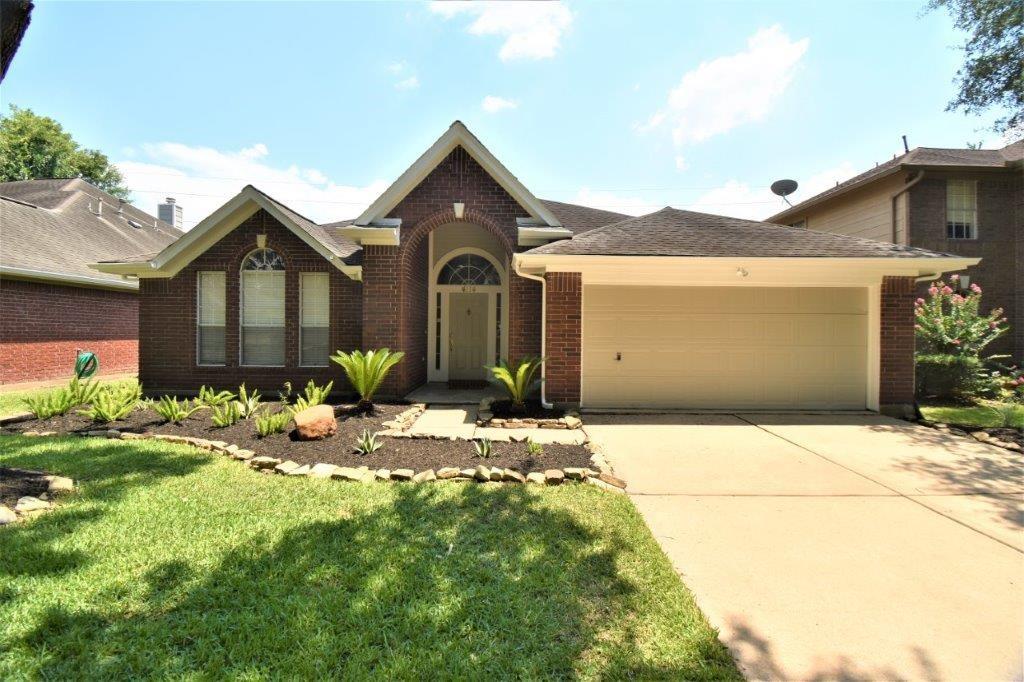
[262, 294]
[961, 209]
[315, 315]
[210, 318]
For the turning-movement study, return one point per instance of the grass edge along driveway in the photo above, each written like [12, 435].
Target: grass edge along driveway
[171, 562]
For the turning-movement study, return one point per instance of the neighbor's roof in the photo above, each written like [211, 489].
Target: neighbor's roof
[671, 232]
[47, 227]
[919, 157]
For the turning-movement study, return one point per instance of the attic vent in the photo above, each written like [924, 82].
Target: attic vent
[136, 225]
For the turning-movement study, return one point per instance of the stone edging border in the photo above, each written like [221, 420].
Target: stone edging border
[979, 434]
[602, 478]
[28, 506]
[484, 417]
[403, 421]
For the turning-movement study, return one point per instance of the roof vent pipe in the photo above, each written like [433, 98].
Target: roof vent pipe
[906, 148]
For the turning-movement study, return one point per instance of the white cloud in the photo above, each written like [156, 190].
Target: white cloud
[203, 178]
[493, 104]
[610, 201]
[681, 162]
[396, 67]
[409, 83]
[532, 30]
[730, 91]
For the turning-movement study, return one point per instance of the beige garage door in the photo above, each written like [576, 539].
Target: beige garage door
[724, 347]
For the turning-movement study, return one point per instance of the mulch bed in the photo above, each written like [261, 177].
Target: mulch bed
[18, 483]
[396, 453]
[502, 409]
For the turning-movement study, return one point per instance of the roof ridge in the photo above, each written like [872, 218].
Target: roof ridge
[18, 201]
[283, 205]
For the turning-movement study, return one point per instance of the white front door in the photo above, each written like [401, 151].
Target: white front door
[467, 336]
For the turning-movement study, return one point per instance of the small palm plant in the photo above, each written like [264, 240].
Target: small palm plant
[313, 395]
[518, 381]
[174, 412]
[248, 402]
[366, 371]
[212, 398]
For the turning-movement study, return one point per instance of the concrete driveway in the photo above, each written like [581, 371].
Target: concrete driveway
[836, 546]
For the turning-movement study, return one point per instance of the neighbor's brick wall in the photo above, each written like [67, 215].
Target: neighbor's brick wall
[167, 316]
[896, 385]
[1000, 236]
[563, 337]
[43, 325]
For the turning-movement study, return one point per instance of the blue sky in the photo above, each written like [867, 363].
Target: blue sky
[629, 106]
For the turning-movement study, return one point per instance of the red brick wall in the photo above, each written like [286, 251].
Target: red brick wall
[167, 315]
[563, 332]
[42, 326]
[896, 385]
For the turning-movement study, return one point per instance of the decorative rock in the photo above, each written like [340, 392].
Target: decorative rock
[30, 433]
[128, 435]
[264, 462]
[301, 471]
[575, 473]
[535, 477]
[48, 433]
[286, 467]
[393, 425]
[382, 474]
[31, 504]
[425, 476]
[612, 480]
[7, 515]
[242, 455]
[216, 444]
[572, 422]
[982, 436]
[467, 473]
[482, 473]
[113, 433]
[554, 476]
[402, 474]
[497, 422]
[315, 423]
[598, 483]
[496, 473]
[957, 432]
[447, 472]
[347, 474]
[1012, 446]
[512, 475]
[322, 470]
[59, 484]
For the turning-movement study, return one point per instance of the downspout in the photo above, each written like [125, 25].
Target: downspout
[543, 332]
[892, 204]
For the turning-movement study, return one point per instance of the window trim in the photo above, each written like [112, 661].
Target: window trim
[199, 324]
[241, 307]
[327, 361]
[974, 226]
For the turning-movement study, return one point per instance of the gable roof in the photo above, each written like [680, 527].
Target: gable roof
[51, 231]
[457, 135]
[166, 263]
[579, 219]
[672, 232]
[920, 157]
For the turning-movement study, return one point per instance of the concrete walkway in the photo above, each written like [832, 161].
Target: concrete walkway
[835, 546]
[459, 421]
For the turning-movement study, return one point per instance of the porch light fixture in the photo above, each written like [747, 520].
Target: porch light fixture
[741, 272]
[261, 241]
[459, 208]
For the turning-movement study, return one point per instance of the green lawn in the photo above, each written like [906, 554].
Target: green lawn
[11, 401]
[971, 415]
[170, 563]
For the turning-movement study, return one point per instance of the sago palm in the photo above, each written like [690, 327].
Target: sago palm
[366, 371]
[518, 381]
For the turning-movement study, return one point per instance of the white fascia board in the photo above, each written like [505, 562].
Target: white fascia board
[703, 271]
[456, 135]
[372, 235]
[63, 278]
[535, 236]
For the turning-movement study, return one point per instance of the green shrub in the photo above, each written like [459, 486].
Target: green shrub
[272, 422]
[518, 381]
[210, 398]
[174, 412]
[366, 371]
[113, 403]
[226, 415]
[367, 443]
[949, 323]
[248, 403]
[83, 392]
[58, 402]
[483, 447]
[534, 448]
[313, 395]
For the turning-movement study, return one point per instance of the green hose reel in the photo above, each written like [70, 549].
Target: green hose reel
[86, 364]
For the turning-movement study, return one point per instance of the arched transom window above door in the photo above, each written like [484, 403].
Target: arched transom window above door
[469, 268]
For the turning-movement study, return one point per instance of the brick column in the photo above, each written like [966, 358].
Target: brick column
[563, 330]
[382, 310]
[896, 380]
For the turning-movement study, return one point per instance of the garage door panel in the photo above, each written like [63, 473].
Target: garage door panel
[724, 348]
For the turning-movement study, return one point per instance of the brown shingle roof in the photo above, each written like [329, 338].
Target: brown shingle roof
[671, 232]
[579, 219]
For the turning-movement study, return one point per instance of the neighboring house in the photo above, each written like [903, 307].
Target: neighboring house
[968, 201]
[51, 303]
[458, 264]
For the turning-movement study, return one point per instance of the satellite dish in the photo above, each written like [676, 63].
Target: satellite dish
[784, 188]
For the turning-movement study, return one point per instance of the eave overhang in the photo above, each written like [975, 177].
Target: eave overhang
[31, 274]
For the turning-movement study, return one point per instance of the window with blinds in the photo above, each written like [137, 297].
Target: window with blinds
[315, 316]
[210, 305]
[262, 309]
[961, 209]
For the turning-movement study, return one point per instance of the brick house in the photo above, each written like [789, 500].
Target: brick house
[968, 201]
[51, 303]
[458, 264]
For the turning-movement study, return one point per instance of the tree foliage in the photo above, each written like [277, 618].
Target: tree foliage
[950, 323]
[34, 147]
[993, 71]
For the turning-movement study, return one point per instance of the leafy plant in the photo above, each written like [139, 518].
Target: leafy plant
[272, 422]
[50, 404]
[534, 448]
[284, 395]
[112, 404]
[483, 447]
[518, 381]
[210, 398]
[313, 395]
[226, 414]
[1006, 413]
[366, 371]
[248, 403]
[367, 443]
[174, 412]
[948, 322]
[83, 392]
